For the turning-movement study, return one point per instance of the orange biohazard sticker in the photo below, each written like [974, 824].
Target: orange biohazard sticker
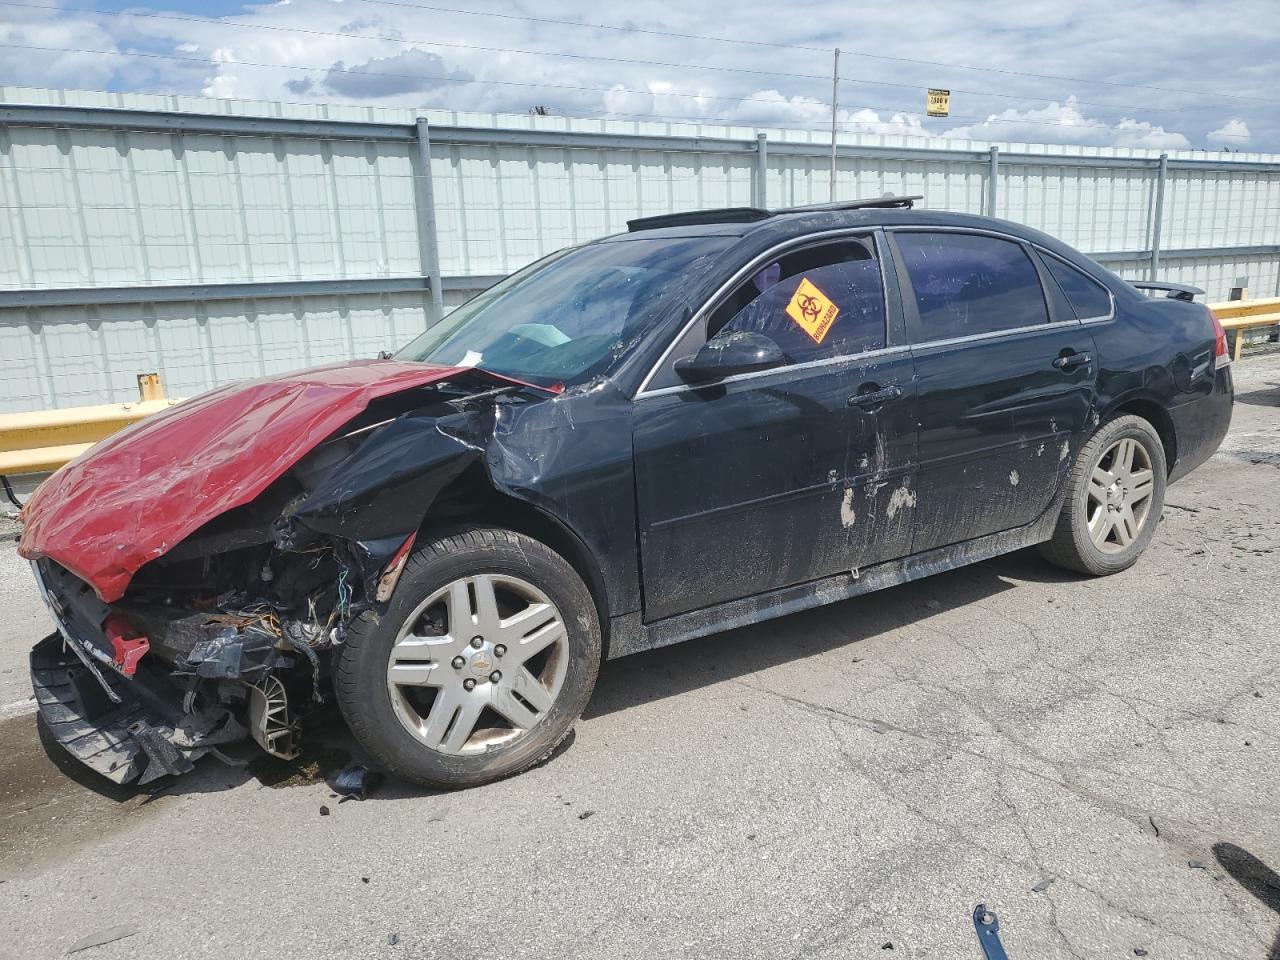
[812, 311]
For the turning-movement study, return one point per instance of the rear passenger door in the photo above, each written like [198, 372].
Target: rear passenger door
[1006, 381]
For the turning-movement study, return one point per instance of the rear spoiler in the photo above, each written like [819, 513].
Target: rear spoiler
[1175, 291]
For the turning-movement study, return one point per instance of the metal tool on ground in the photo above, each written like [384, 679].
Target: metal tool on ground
[988, 927]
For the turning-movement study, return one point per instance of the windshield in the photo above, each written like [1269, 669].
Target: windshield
[569, 317]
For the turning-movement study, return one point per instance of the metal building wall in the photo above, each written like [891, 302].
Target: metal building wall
[304, 238]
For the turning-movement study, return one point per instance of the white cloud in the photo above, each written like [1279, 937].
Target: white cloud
[43, 51]
[1065, 123]
[397, 54]
[1233, 133]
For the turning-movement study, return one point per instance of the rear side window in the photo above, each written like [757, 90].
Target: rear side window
[1088, 298]
[966, 284]
[820, 302]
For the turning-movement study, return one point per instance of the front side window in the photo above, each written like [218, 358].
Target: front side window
[966, 284]
[570, 317]
[819, 302]
[1088, 298]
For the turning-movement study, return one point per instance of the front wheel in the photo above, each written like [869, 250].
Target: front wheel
[1115, 494]
[483, 659]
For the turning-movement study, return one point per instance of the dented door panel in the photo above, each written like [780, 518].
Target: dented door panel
[772, 480]
[998, 425]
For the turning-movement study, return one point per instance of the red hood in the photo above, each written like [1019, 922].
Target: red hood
[140, 492]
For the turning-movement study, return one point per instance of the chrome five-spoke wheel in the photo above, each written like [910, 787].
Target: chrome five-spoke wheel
[1119, 495]
[478, 664]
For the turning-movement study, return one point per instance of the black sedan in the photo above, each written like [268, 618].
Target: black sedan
[711, 420]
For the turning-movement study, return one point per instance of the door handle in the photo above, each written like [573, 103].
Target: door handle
[875, 397]
[1072, 360]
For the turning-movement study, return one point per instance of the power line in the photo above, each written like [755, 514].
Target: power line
[824, 50]
[736, 121]
[411, 42]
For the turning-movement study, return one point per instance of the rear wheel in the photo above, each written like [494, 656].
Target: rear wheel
[483, 659]
[1114, 498]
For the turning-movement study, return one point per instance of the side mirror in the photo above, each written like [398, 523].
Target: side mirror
[728, 354]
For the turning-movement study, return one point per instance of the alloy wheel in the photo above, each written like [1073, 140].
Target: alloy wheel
[478, 664]
[1118, 500]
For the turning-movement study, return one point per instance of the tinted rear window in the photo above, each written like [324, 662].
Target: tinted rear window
[966, 284]
[1087, 297]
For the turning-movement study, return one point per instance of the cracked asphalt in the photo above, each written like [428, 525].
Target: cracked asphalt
[1096, 760]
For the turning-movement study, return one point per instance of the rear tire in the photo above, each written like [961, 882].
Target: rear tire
[1115, 495]
[479, 664]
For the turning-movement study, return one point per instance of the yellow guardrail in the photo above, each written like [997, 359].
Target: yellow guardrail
[44, 440]
[1241, 315]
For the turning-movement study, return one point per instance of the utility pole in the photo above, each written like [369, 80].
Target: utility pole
[835, 101]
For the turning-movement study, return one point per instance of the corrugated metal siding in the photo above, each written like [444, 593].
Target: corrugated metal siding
[68, 356]
[105, 207]
[89, 207]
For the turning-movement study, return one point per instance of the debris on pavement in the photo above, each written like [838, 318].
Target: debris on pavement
[1043, 885]
[987, 925]
[356, 782]
[103, 937]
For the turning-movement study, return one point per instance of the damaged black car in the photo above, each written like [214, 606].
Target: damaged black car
[710, 420]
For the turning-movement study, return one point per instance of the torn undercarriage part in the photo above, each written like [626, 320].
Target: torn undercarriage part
[270, 723]
[232, 654]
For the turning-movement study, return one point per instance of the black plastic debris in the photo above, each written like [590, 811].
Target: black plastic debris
[232, 655]
[163, 757]
[356, 782]
[324, 810]
[585, 814]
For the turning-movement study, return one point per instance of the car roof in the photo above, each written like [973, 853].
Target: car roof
[761, 228]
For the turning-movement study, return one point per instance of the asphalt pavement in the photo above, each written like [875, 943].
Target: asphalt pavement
[1096, 760]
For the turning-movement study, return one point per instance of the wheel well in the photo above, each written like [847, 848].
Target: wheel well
[1159, 418]
[471, 497]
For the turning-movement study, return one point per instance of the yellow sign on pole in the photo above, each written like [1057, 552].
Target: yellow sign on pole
[938, 103]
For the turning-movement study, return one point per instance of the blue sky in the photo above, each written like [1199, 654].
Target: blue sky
[1165, 75]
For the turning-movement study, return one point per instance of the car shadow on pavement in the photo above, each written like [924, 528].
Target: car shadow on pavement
[670, 671]
[327, 746]
[1256, 877]
[1269, 397]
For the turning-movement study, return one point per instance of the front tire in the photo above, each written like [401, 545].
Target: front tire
[479, 665]
[1115, 494]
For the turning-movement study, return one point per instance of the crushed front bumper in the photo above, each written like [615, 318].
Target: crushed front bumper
[125, 741]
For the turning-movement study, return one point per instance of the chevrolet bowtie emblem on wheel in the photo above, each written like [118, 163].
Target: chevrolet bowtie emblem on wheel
[481, 664]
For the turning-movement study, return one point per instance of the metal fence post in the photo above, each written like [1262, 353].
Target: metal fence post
[1158, 215]
[762, 171]
[428, 241]
[993, 175]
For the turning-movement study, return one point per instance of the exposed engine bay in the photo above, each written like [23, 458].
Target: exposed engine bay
[229, 633]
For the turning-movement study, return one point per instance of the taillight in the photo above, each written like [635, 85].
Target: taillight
[1220, 355]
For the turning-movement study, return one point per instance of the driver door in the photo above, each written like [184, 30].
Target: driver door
[778, 477]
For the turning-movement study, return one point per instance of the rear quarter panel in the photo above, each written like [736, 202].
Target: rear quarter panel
[1161, 352]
